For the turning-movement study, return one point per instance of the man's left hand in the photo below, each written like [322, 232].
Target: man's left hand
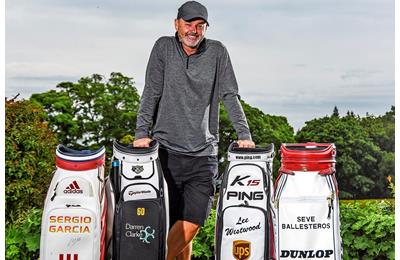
[246, 144]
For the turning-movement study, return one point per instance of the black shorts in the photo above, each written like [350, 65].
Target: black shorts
[191, 185]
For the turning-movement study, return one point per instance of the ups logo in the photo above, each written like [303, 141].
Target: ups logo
[241, 249]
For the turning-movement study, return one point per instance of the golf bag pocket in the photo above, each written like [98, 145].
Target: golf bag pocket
[71, 230]
[73, 220]
[142, 229]
[241, 233]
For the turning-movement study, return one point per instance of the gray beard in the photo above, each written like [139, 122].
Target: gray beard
[193, 47]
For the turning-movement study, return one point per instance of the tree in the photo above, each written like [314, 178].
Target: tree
[265, 129]
[92, 112]
[335, 111]
[29, 158]
[381, 129]
[361, 166]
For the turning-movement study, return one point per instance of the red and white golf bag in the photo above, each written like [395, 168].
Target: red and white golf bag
[307, 203]
[74, 215]
[139, 207]
[244, 227]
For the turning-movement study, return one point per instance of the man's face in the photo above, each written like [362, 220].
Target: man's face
[191, 33]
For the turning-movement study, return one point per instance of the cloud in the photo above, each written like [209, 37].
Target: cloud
[296, 59]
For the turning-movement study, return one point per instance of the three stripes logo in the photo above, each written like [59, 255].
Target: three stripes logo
[73, 188]
[68, 257]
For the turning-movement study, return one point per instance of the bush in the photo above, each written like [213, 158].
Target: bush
[203, 244]
[23, 238]
[367, 229]
[29, 158]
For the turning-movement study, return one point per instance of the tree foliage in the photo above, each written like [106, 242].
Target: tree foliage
[93, 111]
[29, 158]
[264, 128]
[364, 156]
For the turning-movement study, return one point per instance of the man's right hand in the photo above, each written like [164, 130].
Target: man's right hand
[142, 142]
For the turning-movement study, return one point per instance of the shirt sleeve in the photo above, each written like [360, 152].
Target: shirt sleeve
[230, 97]
[154, 81]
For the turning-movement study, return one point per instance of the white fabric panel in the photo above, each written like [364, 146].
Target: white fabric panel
[243, 233]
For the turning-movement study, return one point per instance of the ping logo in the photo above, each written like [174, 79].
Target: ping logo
[68, 257]
[73, 188]
[241, 249]
[137, 169]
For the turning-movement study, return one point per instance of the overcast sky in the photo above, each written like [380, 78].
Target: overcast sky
[296, 59]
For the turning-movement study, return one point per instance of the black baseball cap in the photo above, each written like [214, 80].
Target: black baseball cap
[192, 10]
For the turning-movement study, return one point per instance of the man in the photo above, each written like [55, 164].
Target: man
[186, 77]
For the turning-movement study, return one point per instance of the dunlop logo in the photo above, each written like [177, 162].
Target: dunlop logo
[241, 249]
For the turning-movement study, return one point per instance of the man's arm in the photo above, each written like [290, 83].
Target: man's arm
[230, 97]
[152, 91]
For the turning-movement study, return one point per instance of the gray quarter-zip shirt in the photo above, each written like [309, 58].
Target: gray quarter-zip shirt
[180, 101]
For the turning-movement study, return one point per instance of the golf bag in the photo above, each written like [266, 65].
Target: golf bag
[307, 203]
[74, 215]
[244, 217]
[140, 196]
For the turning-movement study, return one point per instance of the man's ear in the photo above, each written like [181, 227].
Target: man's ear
[176, 24]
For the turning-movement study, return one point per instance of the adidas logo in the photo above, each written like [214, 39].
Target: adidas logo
[73, 188]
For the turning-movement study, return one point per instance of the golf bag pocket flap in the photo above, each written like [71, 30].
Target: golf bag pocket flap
[135, 155]
[74, 186]
[139, 191]
[141, 232]
[79, 160]
[250, 154]
[70, 231]
[242, 233]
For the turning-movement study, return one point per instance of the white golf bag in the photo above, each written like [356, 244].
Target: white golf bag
[140, 197]
[74, 215]
[244, 212]
[307, 203]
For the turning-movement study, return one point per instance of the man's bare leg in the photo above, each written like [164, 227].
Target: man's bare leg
[179, 240]
[186, 253]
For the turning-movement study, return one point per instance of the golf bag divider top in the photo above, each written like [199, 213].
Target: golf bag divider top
[141, 203]
[307, 203]
[74, 215]
[244, 227]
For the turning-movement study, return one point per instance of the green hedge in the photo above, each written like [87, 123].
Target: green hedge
[367, 229]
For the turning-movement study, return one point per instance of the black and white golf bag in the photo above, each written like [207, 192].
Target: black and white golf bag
[244, 217]
[140, 196]
[307, 203]
[74, 215]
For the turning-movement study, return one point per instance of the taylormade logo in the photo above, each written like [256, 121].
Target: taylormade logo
[306, 253]
[73, 188]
